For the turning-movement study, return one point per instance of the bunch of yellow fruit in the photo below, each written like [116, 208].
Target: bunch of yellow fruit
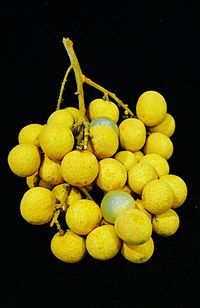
[100, 174]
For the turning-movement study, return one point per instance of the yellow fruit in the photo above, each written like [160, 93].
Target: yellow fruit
[24, 159]
[139, 155]
[139, 205]
[127, 158]
[56, 140]
[61, 116]
[138, 253]
[34, 180]
[79, 168]
[30, 133]
[69, 248]
[132, 134]
[103, 243]
[74, 112]
[157, 196]
[67, 195]
[160, 144]
[112, 174]
[83, 216]
[139, 175]
[151, 108]
[179, 188]
[166, 127]
[157, 161]
[166, 224]
[50, 171]
[37, 205]
[133, 226]
[100, 108]
[103, 141]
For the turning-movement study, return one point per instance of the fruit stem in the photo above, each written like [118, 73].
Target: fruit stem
[86, 193]
[68, 44]
[108, 93]
[60, 99]
[56, 222]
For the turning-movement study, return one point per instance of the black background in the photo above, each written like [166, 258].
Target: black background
[128, 47]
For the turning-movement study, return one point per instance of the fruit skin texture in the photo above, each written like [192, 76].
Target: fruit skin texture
[56, 140]
[69, 248]
[105, 121]
[114, 202]
[166, 127]
[151, 108]
[139, 175]
[100, 108]
[61, 116]
[103, 243]
[160, 144]
[138, 253]
[83, 216]
[159, 163]
[103, 141]
[133, 226]
[61, 194]
[166, 224]
[37, 205]
[127, 158]
[30, 133]
[50, 171]
[112, 174]
[24, 159]
[79, 168]
[132, 134]
[179, 188]
[157, 196]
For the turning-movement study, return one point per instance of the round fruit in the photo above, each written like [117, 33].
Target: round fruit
[37, 205]
[112, 174]
[24, 159]
[102, 108]
[30, 133]
[166, 127]
[61, 116]
[50, 171]
[114, 202]
[64, 196]
[69, 248]
[139, 205]
[127, 158]
[139, 175]
[151, 108]
[157, 196]
[160, 144]
[166, 224]
[56, 140]
[138, 253]
[179, 188]
[132, 134]
[74, 112]
[133, 226]
[79, 168]
[83, 216]
[103, 243]
[105, 121]
[157, 161]
[103, 141]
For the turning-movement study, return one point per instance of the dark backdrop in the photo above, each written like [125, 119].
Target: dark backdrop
[127, 47]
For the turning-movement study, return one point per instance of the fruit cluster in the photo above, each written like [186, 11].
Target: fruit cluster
[100, 174]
